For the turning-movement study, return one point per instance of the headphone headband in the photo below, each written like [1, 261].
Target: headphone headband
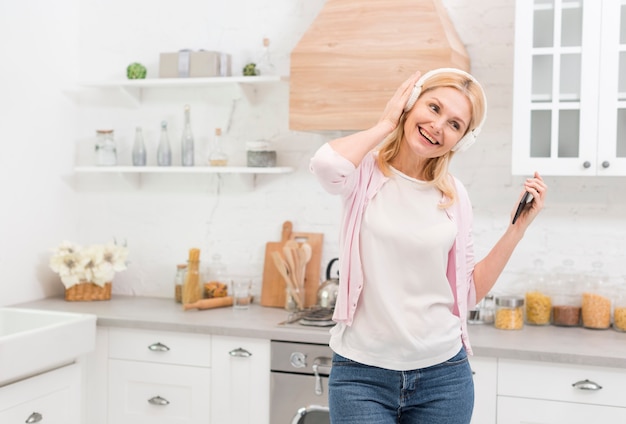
[469, 138]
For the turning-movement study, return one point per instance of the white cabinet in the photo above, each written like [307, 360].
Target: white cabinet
[485, 371]
[240, 380]
[51, 398]
[158, 377]
[569, 111]
[550, 393]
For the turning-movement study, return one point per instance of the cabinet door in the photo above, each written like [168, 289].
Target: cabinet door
[142, 392]
[240, 380]
[612, 107]
[555, 110]
[532, 411]
[52, 398]
[485, 371]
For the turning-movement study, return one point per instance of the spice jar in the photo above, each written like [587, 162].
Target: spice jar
[596, 301]
[105, 148]
[179, 280]
[509, 313]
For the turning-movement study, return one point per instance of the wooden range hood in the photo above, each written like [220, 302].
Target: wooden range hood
[356, 53]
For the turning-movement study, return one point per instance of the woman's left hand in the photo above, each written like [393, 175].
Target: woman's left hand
[538, 189]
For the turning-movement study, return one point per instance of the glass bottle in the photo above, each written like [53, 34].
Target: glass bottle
[187, 150]
[265, 65]
[164, 152]
[105, 148]
[217, 157]
[139, 149]
[179, 280]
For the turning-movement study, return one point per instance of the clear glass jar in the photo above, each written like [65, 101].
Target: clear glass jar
[619, 310]
[509, 313]
[260, 154]
[596, 300]
[537, 300]
[179, 280]
[566, 291]
[105, 148]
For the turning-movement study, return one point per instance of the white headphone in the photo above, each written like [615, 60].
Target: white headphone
[469, 138]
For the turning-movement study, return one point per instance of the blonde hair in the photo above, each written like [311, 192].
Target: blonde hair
[436, 169]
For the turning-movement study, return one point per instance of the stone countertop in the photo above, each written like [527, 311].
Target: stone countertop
[548, 343]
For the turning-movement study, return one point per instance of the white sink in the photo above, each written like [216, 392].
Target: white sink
[34, 341]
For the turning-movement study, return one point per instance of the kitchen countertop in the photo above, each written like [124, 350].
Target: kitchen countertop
[548, 343]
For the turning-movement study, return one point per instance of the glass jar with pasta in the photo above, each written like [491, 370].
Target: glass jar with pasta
[596, 300]
[537, 299]
[619, 308]
[509, 313]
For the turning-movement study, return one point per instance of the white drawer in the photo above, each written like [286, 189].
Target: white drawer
[160, 346]
[158, 393]
[551, 381]
[54, 396]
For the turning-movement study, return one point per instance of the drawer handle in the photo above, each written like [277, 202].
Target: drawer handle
[240, 353]
[158, 347]
[158, 400]
[586, 385]
[35, 417]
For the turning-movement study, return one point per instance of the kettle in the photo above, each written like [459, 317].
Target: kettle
[327, 293]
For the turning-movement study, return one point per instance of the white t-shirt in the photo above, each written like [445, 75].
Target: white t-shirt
[404, 318]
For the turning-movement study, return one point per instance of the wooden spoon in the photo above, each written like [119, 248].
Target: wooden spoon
[283, 269]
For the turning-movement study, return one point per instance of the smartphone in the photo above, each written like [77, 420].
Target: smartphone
[526, 199]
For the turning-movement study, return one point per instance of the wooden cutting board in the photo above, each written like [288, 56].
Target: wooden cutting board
[273, 288]
[312, 272]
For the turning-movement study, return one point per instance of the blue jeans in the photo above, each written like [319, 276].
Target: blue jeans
[441, 394]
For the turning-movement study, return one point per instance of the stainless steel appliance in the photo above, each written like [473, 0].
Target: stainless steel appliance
[299, 383]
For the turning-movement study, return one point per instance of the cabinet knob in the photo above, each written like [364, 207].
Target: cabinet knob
[586, 385]
[35, 417]
[606, 164]
[158, 400]
[158, 347]
[240, 353]
[586, 164]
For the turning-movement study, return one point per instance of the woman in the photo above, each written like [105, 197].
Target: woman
[407, 269]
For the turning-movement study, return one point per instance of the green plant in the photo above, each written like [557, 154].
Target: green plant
[136, 71]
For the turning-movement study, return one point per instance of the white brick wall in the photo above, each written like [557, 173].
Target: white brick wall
[163, 216]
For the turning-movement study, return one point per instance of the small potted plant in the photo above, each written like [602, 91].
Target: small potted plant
[87, 272]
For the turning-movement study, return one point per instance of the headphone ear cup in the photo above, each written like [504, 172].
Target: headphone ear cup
[415, 93]
[465, 143]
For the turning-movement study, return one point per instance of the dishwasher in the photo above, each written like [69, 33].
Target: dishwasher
[299, 383]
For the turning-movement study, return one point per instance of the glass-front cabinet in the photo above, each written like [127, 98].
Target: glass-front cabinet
[569, 110]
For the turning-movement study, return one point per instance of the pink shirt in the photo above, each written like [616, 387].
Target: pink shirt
[357, 186]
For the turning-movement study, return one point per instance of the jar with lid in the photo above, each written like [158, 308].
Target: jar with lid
[216, 272]
[596, 300]
[537, 300]
[105, 148]
[179, 280]
[509, 312]
[260, 154]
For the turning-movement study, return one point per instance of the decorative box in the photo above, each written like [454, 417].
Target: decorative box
[190, 64]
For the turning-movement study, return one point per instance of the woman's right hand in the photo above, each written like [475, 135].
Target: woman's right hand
[395, 106]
